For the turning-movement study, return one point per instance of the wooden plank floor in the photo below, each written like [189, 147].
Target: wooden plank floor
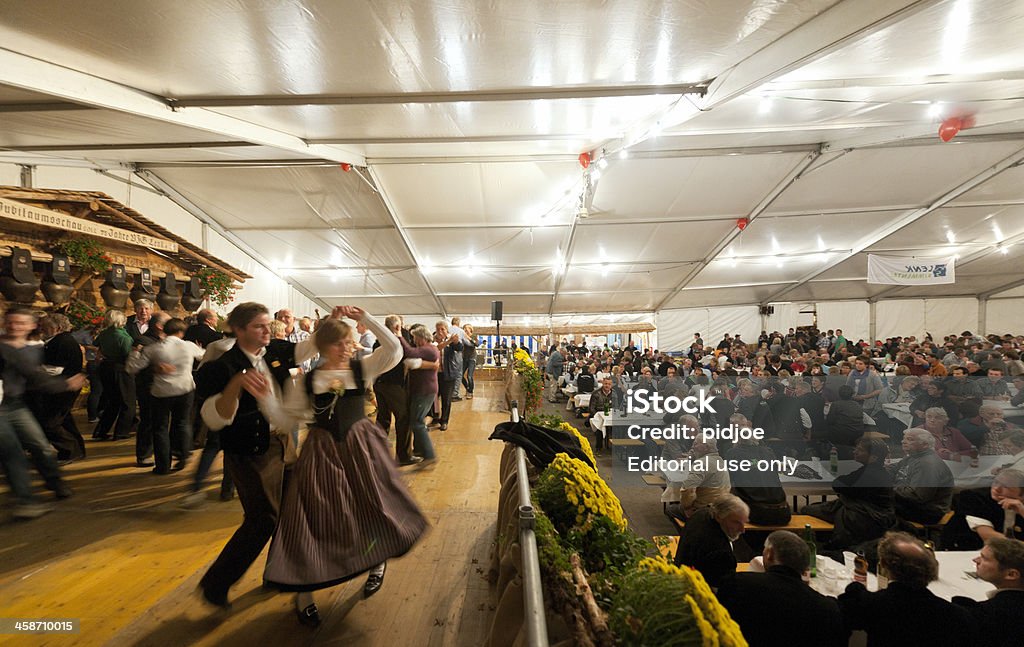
[124, 559]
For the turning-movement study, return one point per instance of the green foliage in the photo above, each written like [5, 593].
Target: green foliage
[551, 421]
[648, 609]
[86, 253]
[532, 381]
[217, 285]
[607, 549]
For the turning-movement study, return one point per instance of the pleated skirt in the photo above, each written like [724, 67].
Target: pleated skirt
[345, 510]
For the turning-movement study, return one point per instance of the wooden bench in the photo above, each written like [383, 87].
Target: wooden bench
[654, 479]
[625, 442]
[796, 524]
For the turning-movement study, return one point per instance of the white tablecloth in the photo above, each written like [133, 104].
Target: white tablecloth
[953, 581]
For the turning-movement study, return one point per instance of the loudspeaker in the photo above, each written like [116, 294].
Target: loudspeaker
[496, 310]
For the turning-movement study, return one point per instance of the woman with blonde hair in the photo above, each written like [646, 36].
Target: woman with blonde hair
[346, 510]
[115, 344]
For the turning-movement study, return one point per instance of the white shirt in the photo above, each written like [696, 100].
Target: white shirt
[143, 327]
[270, 408]
[170, 350]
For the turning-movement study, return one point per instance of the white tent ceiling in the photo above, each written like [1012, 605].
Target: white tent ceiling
[815, 119]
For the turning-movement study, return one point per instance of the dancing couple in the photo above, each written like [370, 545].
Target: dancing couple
[345, 510]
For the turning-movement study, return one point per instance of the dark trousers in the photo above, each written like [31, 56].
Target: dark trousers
[53, 411]
[92, 370]
[394, 399]
[468, 368]
[171, 428]
[259, 481]
[447, 390]
[210, 451]
[118, 401]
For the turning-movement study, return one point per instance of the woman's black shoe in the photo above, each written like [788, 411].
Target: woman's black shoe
[374, 582]
[310, 616]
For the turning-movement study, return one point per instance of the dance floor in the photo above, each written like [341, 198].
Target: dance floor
[121, 557]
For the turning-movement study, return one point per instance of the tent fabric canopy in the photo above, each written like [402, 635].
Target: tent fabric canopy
[424, 159]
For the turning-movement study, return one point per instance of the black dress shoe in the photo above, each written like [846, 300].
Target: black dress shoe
[310, 616]
[374, 582]
[214, 599]
[411, 461]
[180, 465]
[144, 463]
[63, 491]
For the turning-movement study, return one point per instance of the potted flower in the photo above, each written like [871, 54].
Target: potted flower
[217, 285]
[87, 254]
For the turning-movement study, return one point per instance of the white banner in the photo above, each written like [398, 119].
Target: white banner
[896, 270]
[58, 220]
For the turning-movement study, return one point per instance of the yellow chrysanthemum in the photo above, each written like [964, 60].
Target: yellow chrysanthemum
[585, 489]
[584, 443]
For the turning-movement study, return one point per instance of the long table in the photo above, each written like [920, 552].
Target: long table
[953, 579]
[901, 411]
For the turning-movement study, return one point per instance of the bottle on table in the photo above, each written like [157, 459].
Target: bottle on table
[833, 461]
[812, 549]
[607, 408]
[860, 568]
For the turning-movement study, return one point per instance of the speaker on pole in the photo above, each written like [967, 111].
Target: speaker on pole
[496, 310]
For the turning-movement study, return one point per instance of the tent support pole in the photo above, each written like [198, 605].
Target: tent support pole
[983, 316]
[872, 327]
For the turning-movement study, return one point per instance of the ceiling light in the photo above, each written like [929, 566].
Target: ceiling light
[765, 106]
[426, 267]
[602, 163]
[935, 109]
[623, 154]
[951, 237]
[656, 129]
[604, 269]
[1004, 250]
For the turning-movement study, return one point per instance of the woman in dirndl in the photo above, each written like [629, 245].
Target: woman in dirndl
[346, 510]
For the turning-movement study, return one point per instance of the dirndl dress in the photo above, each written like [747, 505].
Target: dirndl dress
[345, 507]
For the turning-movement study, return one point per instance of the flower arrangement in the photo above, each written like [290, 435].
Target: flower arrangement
[531, 378]
[218, 286]
[82, 315]
[572, 494]
[88, 254]
[638, 600]
[697, 618]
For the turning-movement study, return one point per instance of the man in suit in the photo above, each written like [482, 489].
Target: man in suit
[143, 391]
[906, 612]
[53, 410]
[706, 541]
[204, 331]
[1000, 618]
[138, 323]
[776, 607]
[233, 387]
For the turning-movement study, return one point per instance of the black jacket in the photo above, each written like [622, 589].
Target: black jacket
[1000, 619]
[704, 546]
[540, 443]
[901, 615]
[777, 608]
[249, 433]
[202, 335]
[63, 350]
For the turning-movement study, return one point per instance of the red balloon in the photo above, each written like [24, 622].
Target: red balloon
[949, 128]
[742, 223]
[345, 166]
[584, 159]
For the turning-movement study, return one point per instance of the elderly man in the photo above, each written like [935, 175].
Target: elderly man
[451, 360]
[923, 483]
[707, 481]
[204, 332]
[292, 332]
[906, 613]
[138, 323]
[762, 602]
[864, 509]
[1000, 618]
[760, 489]
[707, 539]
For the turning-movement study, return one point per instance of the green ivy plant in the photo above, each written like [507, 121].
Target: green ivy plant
[218, 286]
[86, 253]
